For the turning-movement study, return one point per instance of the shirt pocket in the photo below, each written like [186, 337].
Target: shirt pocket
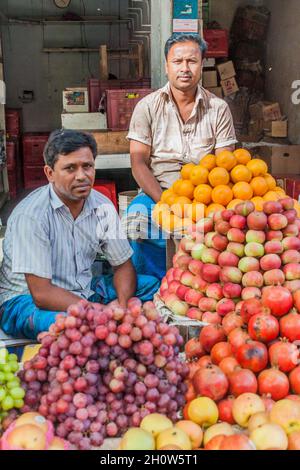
[201, 146]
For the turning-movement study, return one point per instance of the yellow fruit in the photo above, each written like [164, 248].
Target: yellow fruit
[241, 173]
[160, 211]
[176, 186]
[257, 167]
[199, 175]
[222, 195]
[156, 423]
[203, 411]
[271, 196]
[259, 186]
[186, 170]
[193, 430]
[226, 159]
[212, 208]
[242, 156]
[218, 176]
[209, 162]
[271, 182]
[242, 191]
[202, 193]
[170, 199]
[234, 203]
[165, 194]
[179, 207]
[185, 188]
[196, 211]
[279, 190]
[297, 207]
[137, 439]
[258, 202]
[168, 222]
[182, 224]
[173, 436]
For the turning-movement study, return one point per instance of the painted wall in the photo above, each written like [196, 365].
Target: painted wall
[283, 60]
[28, 68]
[223, 11]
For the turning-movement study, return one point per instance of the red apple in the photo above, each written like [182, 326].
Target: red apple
[222, 227]
[290, 256]
[194, 314]
[177, 274]
[257, 220]
[253, 279]
[277, 221]
[219, 242]
[232, 291]
[292, 271]
[173, 286]
[273, 247]
[225, 306]
[207, 304]
[236, 235]
[287, 203]
[245, 208]
[269, 262]
[257, 236]
[236, 249]
[227, 214]
[187, 279]
[192, 297]
[181, 291]
[274, 277]
[228, 259]
[231, 274]
[238, 221]
[291, 243]
[195, 267]
[211, 273]
[210, 255]
[208, 239]
[291, 215]
[272, 207]
[273, 235]
[214, 291]
[198, 283]
[251, 293]
[248, 263]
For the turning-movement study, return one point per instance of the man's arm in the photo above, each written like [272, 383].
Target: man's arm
[124, 282]
[231, 148]
[46, 296]
[140, 159]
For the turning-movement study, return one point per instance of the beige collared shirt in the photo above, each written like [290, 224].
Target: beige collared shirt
[156, 122]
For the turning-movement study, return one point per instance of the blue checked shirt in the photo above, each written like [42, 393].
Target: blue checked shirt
[42, 238]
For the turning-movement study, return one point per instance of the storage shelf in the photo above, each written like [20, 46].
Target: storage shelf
[57, 21]
[115, 54]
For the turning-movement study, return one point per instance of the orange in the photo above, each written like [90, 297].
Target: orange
[242, 156]
[218, 176]
[209, 162]
[297, 207]
[168, 222]
[212, 208]
[186, 170]
[159, 212]
[170, 199]
[166, 194]
[257, 167]
[202, 193]
[271, 182]
[222, 195]
[226, 159]
[196, 211]
[259, 186]
[271, 196]
[258, 202]
[234, 203]
[185, 188]
[241, 173]
[176, 186]
[243, 191]
[199, 175]
[179, 207]
[279, 190]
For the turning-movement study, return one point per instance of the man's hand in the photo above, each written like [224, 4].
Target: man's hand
[125, 282]
[231, 148]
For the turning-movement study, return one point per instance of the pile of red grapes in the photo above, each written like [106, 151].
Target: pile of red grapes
[101, 369]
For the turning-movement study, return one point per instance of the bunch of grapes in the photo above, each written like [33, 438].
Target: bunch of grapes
[101, 370]
[11, 392]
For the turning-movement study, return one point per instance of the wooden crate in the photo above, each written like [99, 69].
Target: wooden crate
[172, 248]
[111, 142]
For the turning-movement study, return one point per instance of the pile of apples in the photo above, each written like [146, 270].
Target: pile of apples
[233, 256]
[31, 431]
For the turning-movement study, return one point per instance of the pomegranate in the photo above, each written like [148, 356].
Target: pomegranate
[252, 355]
[225, 410]
[204, 361]
[249, 308]
[274, 383]
[194, 349]
[211, 382]
[231, 321]
[220, 351]
[211, 335]
[237, 338]
[242, 381]
[263, 327]
[290, 326]
[228, 365]
[294, 378]
[284, 355]
[278, 299]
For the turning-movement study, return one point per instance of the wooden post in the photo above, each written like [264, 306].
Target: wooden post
[103, 62]
[140, 53]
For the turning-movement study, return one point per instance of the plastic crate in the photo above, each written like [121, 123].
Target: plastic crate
[97, 88]
[33, 147]
[34, 177]
[13, 122]
[11, 154]
[120, 106]
[218, 43]
[108, 188]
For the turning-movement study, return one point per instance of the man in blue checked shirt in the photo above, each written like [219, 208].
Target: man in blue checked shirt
[53, 237]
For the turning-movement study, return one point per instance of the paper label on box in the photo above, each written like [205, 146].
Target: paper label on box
[185, 26]
[75, 98]
[185, 9]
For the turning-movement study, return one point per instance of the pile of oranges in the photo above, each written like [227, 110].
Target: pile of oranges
[216, 183]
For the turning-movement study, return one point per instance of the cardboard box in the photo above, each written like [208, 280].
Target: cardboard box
[76, 100]
[111, 142]
[265, 110]
[84, 121]
[279, 129]
[226, 70]
[209, 62]
[210, 79]
[281, 159]
[229, 86]
[216, 91]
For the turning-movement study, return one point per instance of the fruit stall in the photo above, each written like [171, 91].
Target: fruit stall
[212, 363]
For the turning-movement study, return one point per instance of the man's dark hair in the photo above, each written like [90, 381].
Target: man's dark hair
[63, 142]
[183, 37]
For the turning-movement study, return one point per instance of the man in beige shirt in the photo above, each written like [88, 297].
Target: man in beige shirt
[177, 124]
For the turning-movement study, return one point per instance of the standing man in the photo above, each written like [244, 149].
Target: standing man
[53, 237]
[179, 123]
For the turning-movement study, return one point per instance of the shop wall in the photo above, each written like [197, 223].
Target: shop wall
[283, 60]
[28, 68]
[223, 11]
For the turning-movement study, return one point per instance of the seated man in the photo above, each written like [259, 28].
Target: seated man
[177, 124]
[53, 237]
